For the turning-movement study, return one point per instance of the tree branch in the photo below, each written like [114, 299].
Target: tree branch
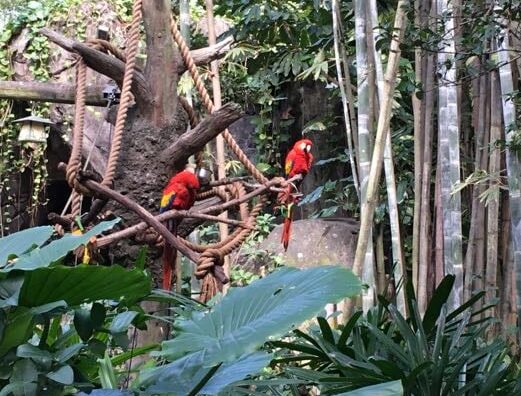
[190, 142]
[218, 208]
[203, 56]
[49, 92]
[144, 214]
[114, 68]
[102, 63]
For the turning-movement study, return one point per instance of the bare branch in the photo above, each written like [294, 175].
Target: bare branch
[218, 208]
[190, 142]
[144, 214]
[203, 56]
[102, 63]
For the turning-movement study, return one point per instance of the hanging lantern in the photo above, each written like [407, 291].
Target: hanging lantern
[33, 129]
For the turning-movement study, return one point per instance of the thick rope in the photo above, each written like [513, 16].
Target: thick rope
[126, 95]
[194, 120]
[74, 164]
[187, 57]
[107, 46]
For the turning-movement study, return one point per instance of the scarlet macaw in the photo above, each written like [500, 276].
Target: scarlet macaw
[178, 194]
[298, 162]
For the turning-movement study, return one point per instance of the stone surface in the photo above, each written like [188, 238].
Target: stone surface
[316, 242]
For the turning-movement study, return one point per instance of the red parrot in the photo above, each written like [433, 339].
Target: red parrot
[178, 194]
[298, 162]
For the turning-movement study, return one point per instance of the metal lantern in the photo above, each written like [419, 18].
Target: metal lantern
[33, 129]
[111, 93]
[204, 175]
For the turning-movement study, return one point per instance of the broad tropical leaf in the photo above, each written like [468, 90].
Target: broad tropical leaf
[183, 376]
[393, 388]
[20, 242]
[45, 256]
[83, 283]
[17, 328]
[248, 316]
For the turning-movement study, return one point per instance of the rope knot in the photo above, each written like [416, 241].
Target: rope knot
[211, 262]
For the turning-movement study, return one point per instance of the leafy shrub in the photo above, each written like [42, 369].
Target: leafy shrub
[443, 353]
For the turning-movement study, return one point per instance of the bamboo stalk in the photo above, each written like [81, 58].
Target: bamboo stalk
[418, 114]
[398, 265]
[382, 129]
[449, 157]
[342, 84]
[512, 160]
[493, 204]
[364, 143]
[424, 245]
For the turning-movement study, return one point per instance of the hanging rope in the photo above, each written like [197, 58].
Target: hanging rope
[194, 120]
[207, 101]
[126, 95]
[74, 164]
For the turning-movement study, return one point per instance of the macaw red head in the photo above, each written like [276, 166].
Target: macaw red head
[303, 145]
[188, 178]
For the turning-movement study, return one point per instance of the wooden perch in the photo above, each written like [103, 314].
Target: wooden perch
[49, 92]
[106, 192]
[218, 208]
[191, 142]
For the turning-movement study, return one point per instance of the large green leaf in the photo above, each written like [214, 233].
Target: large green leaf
[20, 242]
[82, 283]
[187, 375]
[45, 256]
[393, 388]
[246, 317]
[17, 328]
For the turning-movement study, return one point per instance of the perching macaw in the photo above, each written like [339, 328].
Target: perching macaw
[298, 162]
[178, 194]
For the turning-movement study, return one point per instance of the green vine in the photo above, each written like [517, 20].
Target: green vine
[25, 20]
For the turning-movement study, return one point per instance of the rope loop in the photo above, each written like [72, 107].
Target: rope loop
[207, 261]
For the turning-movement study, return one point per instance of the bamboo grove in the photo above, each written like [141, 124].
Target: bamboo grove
[466, 159]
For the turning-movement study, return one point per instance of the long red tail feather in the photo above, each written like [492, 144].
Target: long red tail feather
[286, 232]
[168, 259]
